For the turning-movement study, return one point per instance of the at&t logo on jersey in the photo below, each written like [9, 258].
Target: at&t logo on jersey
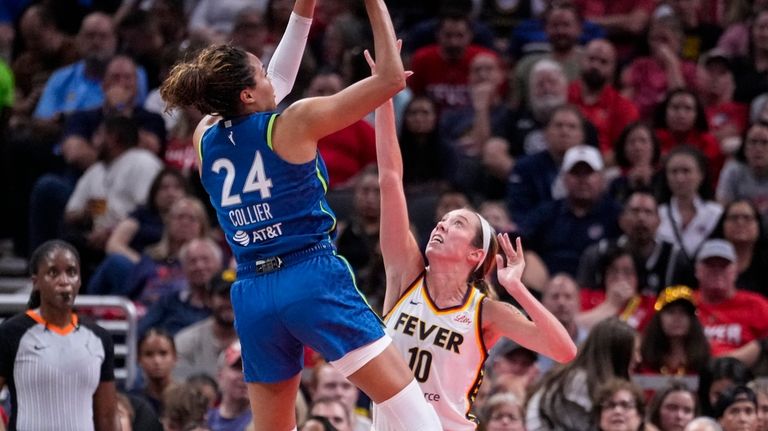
[242, 238]
[259, 235]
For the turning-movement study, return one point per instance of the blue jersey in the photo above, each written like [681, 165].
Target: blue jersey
[266, 206]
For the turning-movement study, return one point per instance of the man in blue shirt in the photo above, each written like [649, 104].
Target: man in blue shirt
[77, 87]
[561, 230]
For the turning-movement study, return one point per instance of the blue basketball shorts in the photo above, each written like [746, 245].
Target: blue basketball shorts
[313, 302]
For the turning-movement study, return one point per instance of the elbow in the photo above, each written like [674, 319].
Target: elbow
[395, 81]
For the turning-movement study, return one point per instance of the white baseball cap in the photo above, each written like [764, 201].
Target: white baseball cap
[717, 248]
[582, 153]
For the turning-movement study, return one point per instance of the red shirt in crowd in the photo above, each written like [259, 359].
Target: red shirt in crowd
[648, 80]
[446, 82]
[637, 312]
[348, 151]
[609, 114]
[729, 114]
[734, 322]
[705, 142]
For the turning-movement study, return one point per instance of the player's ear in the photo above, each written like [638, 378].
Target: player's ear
[247, 95]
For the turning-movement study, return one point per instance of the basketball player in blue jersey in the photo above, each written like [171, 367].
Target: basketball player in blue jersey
[267, 184]
[440, 316]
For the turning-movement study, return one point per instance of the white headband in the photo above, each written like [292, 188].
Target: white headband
[486, 238]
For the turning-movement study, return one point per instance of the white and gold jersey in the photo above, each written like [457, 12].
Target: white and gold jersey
[444, 348]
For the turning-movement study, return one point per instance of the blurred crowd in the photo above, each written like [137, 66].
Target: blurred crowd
[626, 142]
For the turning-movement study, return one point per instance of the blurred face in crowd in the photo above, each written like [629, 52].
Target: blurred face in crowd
[683, 175]
[366, 197]
[619, 413]
[170, 190]
[717, 80]
[660, 34]
[563, 29]
[561, 298]
[760, 31]
[201, 263]
[157, 357]
[675, 321]
[717, 278]
[676, 410]
[325, 84]
[453, 36]
[221, 308]
[517, 362]
[756, 148]
[231, 382]
[740, 416]
[762, 411]
[497, 216]
[38, 35]
[548, 90]
[622, 270]
[332, 384]
[741, 224]
[121, 76]
[564, 131]
[250, 33]
[485, 68]
[97, 39]
[681, 113]
[583, 184]
[506, 417]
[639, 147]
[640, 218]
[184, 221]
[598, 64]
[420, 116]
[335, 413]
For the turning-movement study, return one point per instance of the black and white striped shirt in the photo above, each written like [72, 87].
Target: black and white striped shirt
[52, 372]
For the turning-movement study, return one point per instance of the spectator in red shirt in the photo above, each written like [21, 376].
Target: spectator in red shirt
[624, 20]
[441, 70]
[731, 317]
[598, 99]
[681, 120]
[647, 79]
[727, 118]
[347, 151]
[620, 293]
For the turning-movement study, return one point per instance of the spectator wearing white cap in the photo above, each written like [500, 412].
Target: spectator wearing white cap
[561, 230]
[731, 317]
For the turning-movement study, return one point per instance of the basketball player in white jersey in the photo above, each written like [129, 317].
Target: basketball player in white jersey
[439, 315]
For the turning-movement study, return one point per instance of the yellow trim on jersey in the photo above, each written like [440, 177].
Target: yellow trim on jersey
[269, 130]
[475, 388]
[407, 292]
[432, 306]
[354, 283]
[479, 320]
[320, 175]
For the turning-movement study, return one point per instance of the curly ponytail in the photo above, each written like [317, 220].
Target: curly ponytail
[211, 82]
